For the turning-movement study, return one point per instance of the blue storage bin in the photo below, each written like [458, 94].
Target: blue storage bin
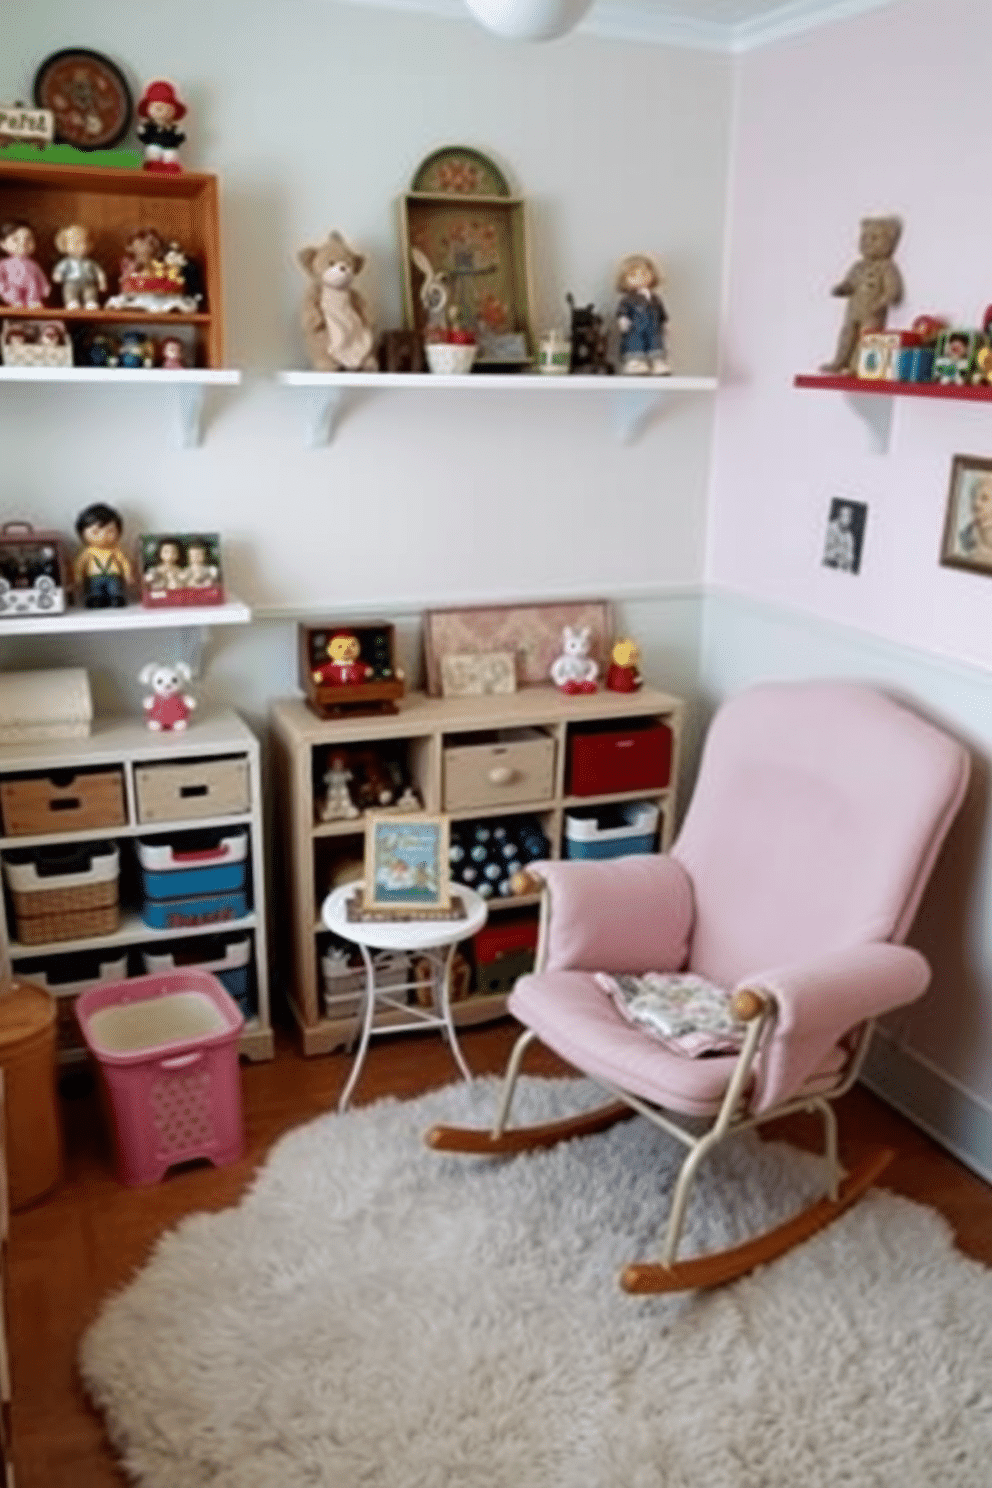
[611, 831]
[228, 960]
[193, 864]
[198, 909]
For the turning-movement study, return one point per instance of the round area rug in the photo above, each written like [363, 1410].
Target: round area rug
[377, 1315]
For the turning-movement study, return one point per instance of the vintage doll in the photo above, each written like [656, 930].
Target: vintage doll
[623, 673]
[160, 110]
[870, 287]
[135, 350]
[22, 282]
[168, 571]
[102, 569]
[337, 802]
[81, 277]
[199, 573]
[172, 354]
[169, 707]
[641, 317]
[344, 667]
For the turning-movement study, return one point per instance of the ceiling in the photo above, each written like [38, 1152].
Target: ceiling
[716, 25]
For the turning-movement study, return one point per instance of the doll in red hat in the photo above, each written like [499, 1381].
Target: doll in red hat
[160, 108]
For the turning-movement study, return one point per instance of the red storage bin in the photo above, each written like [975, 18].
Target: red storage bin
[634, 755]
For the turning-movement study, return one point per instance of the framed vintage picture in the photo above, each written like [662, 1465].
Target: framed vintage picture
[845, 535]
[406, 864]
[478, 674]
[968, 524]
[532, 634]
[180, 568]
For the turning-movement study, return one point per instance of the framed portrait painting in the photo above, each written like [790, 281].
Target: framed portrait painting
[967, 541]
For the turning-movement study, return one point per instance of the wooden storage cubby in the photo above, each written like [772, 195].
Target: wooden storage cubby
[113, 204]
[127, 747]
[425, 727]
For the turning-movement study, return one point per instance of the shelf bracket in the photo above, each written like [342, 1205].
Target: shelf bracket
[633, 409]
[876, 412]
[190, 405]
[190, 644]
[327, 404]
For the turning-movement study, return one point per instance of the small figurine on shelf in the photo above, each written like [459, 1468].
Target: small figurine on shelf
[337, 804]
[199, 573]
[160, 109]
[870, 286]
[167, 572]
[641, 317]
[81, 277]
[575, 670]
[102, 570]
[588, 340]
[22, 282]
[152, 277]
[168, 707]
[344, 667]
[172, 354]
[335, 318]
[623, 673]
[433, 294]
[101, 351]
[135, 350]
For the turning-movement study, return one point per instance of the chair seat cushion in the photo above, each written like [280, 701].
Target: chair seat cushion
[575, 1017]
[685, 1012]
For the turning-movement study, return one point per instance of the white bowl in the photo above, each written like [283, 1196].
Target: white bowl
[448, 358]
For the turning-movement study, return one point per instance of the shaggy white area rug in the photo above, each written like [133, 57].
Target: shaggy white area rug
[375, 1315]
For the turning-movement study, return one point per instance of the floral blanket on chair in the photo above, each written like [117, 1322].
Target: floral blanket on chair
[684, 1012]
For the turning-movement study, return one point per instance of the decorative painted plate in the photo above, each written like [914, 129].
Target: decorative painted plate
[88, 95]
[458, 171]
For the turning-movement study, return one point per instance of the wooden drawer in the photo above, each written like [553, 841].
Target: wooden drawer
[511, 766]
[62, 801]
[184, 789]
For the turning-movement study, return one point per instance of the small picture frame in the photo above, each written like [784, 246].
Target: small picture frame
[180, 568]
[845, 535]
[406, 864]
[478, 674]
[967, 541]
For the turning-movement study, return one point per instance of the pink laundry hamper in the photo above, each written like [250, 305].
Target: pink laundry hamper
[166, 1045]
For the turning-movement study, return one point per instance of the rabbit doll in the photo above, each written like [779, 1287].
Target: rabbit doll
[575, 670]
[433, 292]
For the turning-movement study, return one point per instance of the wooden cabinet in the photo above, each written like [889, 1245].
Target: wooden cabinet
[525, 740]
[113, 204]
[185, 785]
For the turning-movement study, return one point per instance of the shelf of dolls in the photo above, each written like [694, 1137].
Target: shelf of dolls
[192, 618]
[187, 388]
[634, 401]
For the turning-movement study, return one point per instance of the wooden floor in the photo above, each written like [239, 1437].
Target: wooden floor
[89, 1236]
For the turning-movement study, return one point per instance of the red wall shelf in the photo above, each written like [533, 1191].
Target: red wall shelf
[884, 387]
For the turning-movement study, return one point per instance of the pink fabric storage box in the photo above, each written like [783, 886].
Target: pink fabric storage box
[167, 1047]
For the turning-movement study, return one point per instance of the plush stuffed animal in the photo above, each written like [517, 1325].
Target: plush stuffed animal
[335, 319]
[870, 286]
[575, 670]
[168, 707]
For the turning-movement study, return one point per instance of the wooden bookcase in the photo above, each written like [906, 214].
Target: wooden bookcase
[428, 728]
[113, 204]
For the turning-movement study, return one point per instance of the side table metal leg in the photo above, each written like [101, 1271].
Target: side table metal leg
[443, 970]
[367, 1015]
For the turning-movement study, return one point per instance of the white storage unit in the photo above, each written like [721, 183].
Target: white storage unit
[128, 746]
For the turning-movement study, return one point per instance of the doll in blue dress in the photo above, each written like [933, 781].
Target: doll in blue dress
[641, 317]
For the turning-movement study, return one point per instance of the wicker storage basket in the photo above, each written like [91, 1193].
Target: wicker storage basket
[64, 893]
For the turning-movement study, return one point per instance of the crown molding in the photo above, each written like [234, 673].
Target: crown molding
[663, 24]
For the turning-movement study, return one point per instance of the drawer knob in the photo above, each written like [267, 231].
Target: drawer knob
[501, 774]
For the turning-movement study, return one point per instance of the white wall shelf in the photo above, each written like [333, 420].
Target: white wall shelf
[633, 400]
[187, 388]
[129, 617]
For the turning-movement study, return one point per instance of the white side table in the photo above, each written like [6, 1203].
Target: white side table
[434, 939]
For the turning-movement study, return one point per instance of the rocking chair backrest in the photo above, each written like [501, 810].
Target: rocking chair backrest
[816, 819]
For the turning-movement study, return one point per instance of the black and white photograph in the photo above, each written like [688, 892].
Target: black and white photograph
[845, 535]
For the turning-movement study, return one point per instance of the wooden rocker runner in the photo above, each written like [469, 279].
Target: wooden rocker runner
[817, 818]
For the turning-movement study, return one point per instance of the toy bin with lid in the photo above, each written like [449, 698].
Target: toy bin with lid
[229, 959]
[167, 1050]
[193, 863]
[198, 909]
[611, 831]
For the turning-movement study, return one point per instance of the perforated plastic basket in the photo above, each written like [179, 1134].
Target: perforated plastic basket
[166, 1045]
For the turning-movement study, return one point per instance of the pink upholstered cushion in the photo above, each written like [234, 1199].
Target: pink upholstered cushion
[630, 914]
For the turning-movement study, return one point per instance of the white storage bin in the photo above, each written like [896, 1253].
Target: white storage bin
[612, 831]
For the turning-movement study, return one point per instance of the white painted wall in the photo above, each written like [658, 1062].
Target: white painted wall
[315, 115]
[873, 115]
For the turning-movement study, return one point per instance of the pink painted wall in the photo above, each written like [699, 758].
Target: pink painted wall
[884, 113]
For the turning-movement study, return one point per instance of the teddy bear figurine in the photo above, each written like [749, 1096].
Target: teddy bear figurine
[335, 318]
[575, 670]
[870, 286]
[168, 707]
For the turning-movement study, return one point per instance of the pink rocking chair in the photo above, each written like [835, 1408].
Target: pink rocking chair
[816, 819]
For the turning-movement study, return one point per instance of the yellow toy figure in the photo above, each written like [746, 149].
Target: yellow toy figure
[102, 570]
[344, 667]
[623, 673]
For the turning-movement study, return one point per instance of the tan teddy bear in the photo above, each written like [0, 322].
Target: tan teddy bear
[870, 286]
[334, 317]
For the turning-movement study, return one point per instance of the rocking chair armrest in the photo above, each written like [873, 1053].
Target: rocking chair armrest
[817, 1003]
[632, 914]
